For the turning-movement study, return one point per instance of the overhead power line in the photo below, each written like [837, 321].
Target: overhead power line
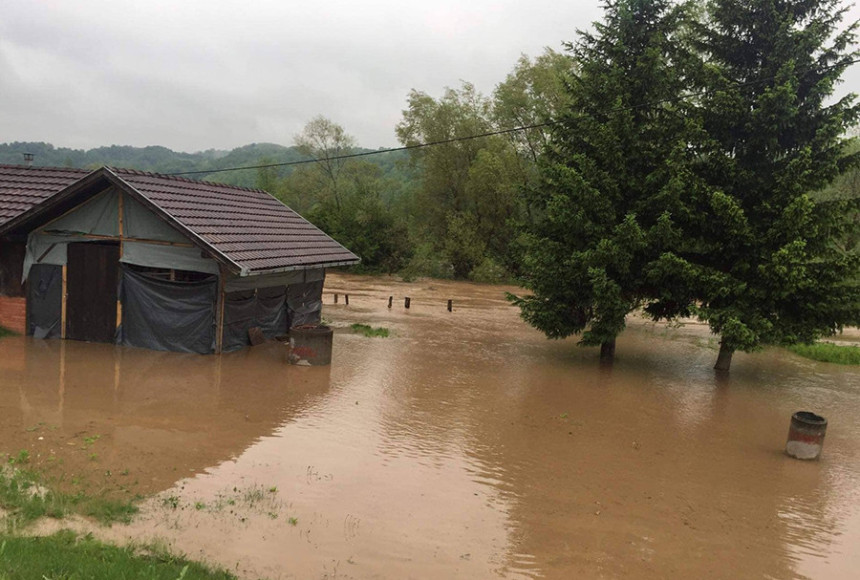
[376, 152]
[490, 133]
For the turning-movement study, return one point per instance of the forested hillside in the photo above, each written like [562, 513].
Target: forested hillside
[163, 160]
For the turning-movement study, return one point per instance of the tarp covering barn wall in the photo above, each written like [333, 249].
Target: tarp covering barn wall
[167, 315]
[45, 301]
[304, 303]
[138, 221]
[273, 302]
[171, 257]
[265, 308]
[100, 216]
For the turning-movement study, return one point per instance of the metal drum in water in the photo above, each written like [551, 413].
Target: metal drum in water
[310, 345]
[806, 435]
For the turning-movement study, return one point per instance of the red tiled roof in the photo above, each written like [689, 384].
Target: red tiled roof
[23, 187]
[249, 227]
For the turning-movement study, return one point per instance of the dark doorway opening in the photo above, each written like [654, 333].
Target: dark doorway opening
[91, 286]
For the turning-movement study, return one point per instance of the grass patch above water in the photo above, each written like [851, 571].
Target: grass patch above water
[67, 555]
[370, 331]
[6, 332]
[828, 352]
[25, 496]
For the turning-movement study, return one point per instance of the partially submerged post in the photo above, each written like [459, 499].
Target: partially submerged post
[406, 302]
[390, 301]
[450, 305]
[806, 435]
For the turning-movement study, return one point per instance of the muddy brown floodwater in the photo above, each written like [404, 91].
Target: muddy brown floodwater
[465, 445]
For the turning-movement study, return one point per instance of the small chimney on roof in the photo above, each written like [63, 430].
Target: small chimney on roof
[28, 159]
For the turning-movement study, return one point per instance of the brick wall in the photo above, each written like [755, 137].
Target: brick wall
[13, 313]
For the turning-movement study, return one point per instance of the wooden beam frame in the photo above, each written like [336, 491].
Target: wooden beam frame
[122, 239]
[119, 214]
[63, 305]
[219, 311]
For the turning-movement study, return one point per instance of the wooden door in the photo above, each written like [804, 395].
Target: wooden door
[91, 287]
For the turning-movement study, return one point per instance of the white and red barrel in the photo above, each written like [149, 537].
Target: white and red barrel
[806, 435]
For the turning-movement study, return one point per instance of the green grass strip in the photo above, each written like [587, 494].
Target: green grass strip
[6, 332]
[67, 556]
[827, 352]
[26, 497]
[369, 331]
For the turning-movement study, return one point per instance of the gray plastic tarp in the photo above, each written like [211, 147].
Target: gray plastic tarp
[304, 302]
[166, 315]
[144, 236]
[174, 257]
[45, 301]
[264, 308]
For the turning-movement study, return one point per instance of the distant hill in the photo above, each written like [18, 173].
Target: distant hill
[163, 160]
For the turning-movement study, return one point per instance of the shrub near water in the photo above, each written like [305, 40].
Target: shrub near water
[6, 332]
[827, 352]
[370, 331]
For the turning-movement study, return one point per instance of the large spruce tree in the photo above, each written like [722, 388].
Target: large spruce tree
[611, 181]
[759, 253]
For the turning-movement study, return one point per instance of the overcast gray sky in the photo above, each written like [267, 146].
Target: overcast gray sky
[195, 75]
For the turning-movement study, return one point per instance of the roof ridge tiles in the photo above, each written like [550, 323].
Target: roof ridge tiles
[181, 179]
[37, 168]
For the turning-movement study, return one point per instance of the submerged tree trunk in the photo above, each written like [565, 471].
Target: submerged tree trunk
[724, 359]
[607, 351]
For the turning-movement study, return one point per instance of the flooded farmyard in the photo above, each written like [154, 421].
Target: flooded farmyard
[463, 445]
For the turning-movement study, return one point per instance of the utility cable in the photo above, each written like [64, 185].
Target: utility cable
[500, 131]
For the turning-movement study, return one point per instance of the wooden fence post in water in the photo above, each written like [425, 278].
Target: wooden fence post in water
[390, 300]
[335, 298]
[450, 305]
[346, 299]
[406, 302]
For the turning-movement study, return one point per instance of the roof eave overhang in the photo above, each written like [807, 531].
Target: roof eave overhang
[246, 272]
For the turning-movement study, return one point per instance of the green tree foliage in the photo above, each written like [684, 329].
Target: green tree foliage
[611, 181]
[845, 188]
[363, 222]
[470, 192]
[327, 142]
[762, 253]
[531, 95]
[446, 210]
[349, 199]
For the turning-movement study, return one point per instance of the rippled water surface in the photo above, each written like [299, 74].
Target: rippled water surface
[464, 445]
